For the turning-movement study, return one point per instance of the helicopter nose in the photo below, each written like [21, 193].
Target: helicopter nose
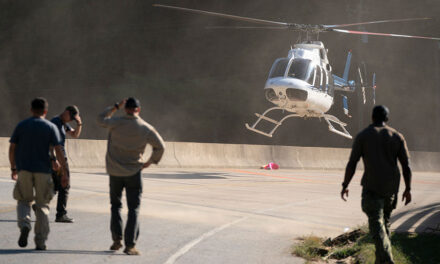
[294, 94]
[271, 95]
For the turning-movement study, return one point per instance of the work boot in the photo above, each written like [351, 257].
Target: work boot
[131, 251]
[40, 247]
[23, 240]
[116, 245]
[64, 219]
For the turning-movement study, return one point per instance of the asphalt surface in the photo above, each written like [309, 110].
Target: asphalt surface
[210, 216]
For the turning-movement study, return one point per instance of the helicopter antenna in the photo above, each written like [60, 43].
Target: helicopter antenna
[298, 40]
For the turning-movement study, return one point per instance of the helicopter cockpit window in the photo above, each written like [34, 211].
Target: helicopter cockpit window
[322, 54]
[302, 69]
[279, 68]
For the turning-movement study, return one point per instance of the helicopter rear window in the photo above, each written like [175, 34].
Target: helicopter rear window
[300, 69]
[279, 68]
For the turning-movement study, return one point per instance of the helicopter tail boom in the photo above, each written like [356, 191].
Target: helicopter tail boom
[343, 84]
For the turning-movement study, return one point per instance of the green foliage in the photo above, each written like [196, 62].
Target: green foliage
[366, 253]
[408, 248]
[307, 248]
[416, 248]
[344, 252]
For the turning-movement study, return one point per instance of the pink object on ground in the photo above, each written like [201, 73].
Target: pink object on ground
[271, 166]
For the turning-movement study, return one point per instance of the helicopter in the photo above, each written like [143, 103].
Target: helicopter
[302, 84]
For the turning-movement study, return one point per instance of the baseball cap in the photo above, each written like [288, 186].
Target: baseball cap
[132, 103]
[73, 110]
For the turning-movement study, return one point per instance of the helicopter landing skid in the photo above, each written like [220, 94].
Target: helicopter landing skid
[328, 118]
[264, 117]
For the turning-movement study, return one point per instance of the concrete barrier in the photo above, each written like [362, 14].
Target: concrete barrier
[310, 158]
[425, 161]
[84, 153]
[4, 152]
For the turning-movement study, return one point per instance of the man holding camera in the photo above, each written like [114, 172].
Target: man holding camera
[71, 113]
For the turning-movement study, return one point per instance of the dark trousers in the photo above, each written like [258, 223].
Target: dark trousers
[133, 192]
[63, 193]
[378, 209]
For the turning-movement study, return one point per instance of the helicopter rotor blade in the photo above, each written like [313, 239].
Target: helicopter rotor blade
[376, 22]
[239, 18]
[381, 34]
[239, 27]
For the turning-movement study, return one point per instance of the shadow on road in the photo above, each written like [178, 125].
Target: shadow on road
[184, 175]
[55, 251]
[429, 213]
[7, 221]
[177, 175]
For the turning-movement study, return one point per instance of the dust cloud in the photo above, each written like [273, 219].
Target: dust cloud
[198, 84]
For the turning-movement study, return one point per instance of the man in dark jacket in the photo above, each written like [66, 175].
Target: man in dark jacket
[71, 113]
[380, 146]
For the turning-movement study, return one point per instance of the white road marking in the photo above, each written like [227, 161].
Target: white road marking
[182, 251]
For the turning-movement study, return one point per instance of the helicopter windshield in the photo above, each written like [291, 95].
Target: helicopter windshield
[301, 69]
[279, 68]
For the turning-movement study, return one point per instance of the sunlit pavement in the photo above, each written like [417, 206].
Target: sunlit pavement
[210, 216]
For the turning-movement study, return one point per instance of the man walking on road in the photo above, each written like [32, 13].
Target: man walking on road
[380, 146]
[31, 168]
[71, 113]
[128, 137]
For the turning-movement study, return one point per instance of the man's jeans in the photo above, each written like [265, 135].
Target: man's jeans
[63, 193]
[133, 191]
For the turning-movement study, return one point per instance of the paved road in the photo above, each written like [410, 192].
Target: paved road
[210, 216]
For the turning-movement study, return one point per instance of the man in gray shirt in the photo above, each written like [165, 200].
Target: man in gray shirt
[128, 136]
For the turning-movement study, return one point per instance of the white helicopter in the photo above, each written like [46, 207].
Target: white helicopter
[302, 84]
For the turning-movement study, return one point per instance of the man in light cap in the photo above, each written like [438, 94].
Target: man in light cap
[71, 113]
[380, 146]
[128, 136]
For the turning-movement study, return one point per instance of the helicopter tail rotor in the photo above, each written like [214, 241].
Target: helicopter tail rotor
[374, 88]
[361, 80]
[364, 86]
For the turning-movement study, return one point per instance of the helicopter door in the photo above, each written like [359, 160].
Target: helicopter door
[318, 78]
